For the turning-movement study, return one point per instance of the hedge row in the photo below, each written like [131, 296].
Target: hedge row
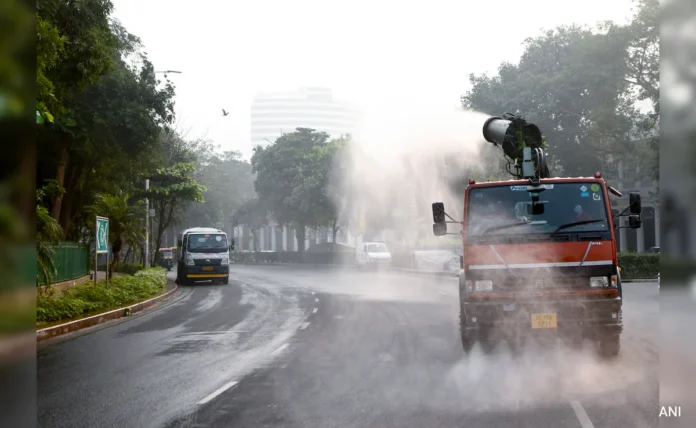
[677, 271]
[633, 265]
[87, 299]
[639, 265]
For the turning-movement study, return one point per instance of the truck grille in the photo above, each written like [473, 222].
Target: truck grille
[207, 262]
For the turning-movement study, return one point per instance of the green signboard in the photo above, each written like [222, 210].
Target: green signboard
[102, 237]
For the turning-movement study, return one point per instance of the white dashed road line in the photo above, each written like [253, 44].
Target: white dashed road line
[304, 326]
[280, 349]
[316, 300]
[314, 311]
[582, 415]
[224, 388]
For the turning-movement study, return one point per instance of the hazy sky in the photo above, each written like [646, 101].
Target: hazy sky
[372, 53]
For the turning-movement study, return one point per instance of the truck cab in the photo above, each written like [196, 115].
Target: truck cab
[203, 254]
[540, 256]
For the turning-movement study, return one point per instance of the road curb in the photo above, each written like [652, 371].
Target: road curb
[72, 326]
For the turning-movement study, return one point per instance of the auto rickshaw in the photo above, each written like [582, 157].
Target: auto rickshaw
[166, 259]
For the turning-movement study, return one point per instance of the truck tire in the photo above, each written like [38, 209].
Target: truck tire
[226, 280]
[609, 347]
[468, 337]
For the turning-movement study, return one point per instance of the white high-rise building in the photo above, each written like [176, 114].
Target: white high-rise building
[277, 113]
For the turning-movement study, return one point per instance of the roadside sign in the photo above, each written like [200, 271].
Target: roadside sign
[102, 237]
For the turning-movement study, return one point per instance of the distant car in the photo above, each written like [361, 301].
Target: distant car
[372, 254]
[654, 250]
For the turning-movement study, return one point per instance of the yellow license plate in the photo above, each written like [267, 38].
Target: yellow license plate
[544, 321]
[207, 268]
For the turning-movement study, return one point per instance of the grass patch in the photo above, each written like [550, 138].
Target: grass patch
[86, 299]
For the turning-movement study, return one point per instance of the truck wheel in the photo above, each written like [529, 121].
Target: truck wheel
[226, 280]
[468, 340]
[488, 341]
[609, 347]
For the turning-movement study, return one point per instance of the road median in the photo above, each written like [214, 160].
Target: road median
[127, 297]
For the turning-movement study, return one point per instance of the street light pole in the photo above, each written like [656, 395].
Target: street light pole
[147, 226]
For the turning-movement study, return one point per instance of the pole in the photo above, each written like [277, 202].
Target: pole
[147, 226]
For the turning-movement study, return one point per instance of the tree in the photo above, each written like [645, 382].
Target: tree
[108, 113]
[288, 178]
[570, 82]
[78, 54]
[229, 183]
[171, 190]
[125, 222]
[252, 214]
[48, 232]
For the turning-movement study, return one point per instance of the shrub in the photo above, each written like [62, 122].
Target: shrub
[86, 299]
[128, 268]
[639, 265]
[677, 270]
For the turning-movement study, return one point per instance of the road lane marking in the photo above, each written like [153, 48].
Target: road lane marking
[314, 311]
[224, 388]
[280, 349]
[304, 326]
[312, 292]
[316, 300]
[581, 414]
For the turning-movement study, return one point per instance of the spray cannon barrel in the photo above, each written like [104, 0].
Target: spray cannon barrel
[521, 142]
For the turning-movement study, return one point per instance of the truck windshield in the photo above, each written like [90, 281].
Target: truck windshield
[577, 207]
[207, 243]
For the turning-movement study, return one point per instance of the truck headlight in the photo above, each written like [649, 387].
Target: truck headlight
[225, 261]
[484, 285]
[599, 281]
[189, 261]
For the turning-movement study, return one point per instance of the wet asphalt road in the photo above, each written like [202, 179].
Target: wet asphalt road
[322, 347]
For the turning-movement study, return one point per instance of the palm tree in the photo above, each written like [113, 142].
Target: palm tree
[124, 223]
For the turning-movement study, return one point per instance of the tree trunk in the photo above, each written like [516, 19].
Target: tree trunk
[116, 251]
[300, 233]
[63, 158]
[128, 254]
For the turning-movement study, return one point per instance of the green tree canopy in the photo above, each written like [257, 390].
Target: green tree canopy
[171, 190]
[292, 179]
[581, 87]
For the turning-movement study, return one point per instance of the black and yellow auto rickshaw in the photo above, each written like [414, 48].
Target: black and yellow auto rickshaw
[166, 259]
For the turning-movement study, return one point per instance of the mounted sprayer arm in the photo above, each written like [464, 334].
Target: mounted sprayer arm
[521, 142]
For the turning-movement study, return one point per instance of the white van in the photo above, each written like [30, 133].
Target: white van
[372, 254]
[203, 253]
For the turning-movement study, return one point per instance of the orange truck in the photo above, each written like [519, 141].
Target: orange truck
[540, 253]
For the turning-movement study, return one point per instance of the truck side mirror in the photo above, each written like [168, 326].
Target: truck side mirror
[178, 243]
[439, 213]
[634, 221]
[440, 229]
[634, 201]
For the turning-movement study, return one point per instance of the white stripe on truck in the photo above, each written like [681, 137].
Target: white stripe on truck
[542, 265]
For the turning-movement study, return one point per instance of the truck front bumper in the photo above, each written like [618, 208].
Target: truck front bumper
[586, 316]
[207, 272]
